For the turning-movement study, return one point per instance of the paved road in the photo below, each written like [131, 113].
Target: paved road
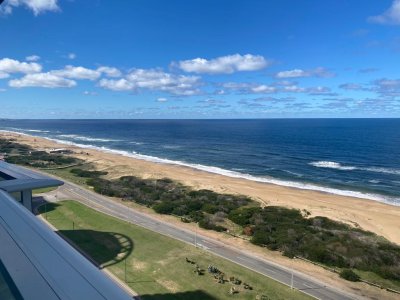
[282, 274]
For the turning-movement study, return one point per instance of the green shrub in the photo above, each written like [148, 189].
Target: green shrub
[349, 275]
[88, 174]
[25, 155]
[164, 207]
[287, 230]
[207, 224]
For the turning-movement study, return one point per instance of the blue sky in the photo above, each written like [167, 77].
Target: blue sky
[199, 59]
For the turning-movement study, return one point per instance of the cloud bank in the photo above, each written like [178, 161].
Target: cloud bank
[390, 16]
[36, 6]
[224, 64]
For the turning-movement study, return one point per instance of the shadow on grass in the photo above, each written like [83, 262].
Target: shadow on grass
[43, 206]
[192, 295]
[102, 248]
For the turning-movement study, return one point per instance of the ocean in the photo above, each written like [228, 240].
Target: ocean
[354, 157]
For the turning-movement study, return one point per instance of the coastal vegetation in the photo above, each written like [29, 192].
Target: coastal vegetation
[319, 239]
[87, 173]
[207, 208]
[158, 266]
[17, 153]
[349, 275]
[294, 233]
[290, 231]
[41, 159]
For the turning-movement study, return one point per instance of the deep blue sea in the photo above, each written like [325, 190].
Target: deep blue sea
[356, 157]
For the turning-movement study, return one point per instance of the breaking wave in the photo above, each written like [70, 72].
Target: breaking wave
[338, 166]
[85, 138]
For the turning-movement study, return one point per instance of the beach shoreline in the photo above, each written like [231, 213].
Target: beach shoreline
[378, 217]
[234, 173]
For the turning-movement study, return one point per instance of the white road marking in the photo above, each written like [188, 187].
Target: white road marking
[202, 246]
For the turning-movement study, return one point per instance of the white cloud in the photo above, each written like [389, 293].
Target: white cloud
[249, 88]
[293, 89]
[321, 91]
[292, 74]
[390, 16]
[284, 83]
[77, 73]
[277, 87]
[37, 6]
[71, 56]
[298, 73]
[263, 89]
[109, 71]
[224, 64]
[154, 79]
[116, 85]
[46, 80]
[2, 90]
[162, 99]
[32, 58]
[316, 91]
[212, 102]
[387, 87]
[8, 66]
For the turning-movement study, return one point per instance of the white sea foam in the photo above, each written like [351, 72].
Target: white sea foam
[37, 130]
[382, 170]
[18, 130]
[374, 181]
[235, 174]
[331, 165]
[338, 166]
[136, 143]
[86, 139]
[172, 147]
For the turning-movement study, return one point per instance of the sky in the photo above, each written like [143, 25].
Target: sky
[178, 59]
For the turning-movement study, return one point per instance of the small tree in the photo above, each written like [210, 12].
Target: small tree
[349, 275]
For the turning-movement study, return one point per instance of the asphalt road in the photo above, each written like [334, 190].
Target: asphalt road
[302, 282]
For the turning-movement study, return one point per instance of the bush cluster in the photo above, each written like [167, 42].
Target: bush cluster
[87, 173]
[319, 239]
[41, 159]
[168, 197]
[349, 275]
[9, 146]
[27, 156]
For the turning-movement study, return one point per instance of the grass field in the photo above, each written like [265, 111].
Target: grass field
[156, 265]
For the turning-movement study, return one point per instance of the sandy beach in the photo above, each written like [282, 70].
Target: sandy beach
[380, 218]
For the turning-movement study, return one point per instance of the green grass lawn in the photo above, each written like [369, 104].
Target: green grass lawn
[372, 277]
[156, 264]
